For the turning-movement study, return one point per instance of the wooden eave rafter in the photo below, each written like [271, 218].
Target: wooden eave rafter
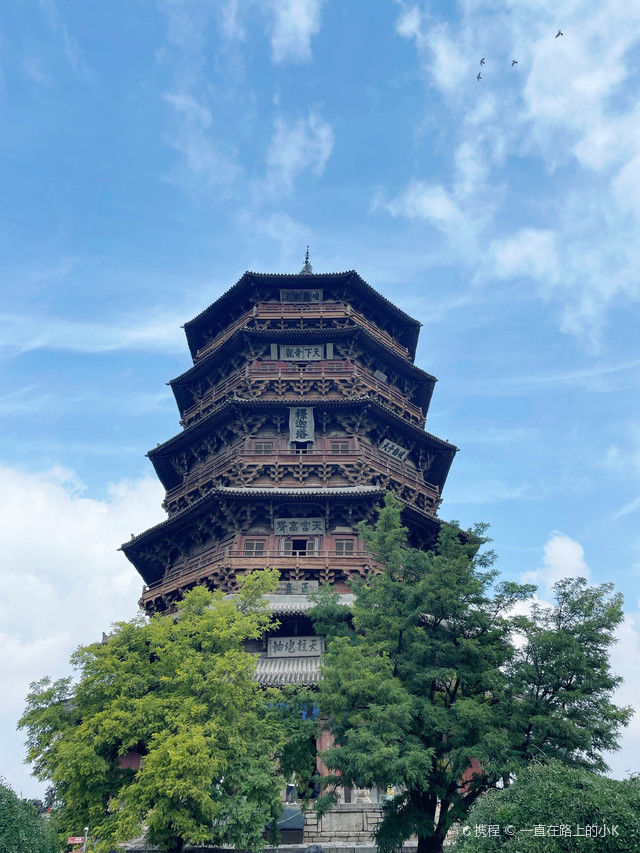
[250, 279]
[233, 344]
[159, 455]
[183, 521]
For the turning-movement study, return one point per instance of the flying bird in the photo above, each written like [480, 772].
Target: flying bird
[478, 76]
[559, 33]
[514, 62]
[482, 61]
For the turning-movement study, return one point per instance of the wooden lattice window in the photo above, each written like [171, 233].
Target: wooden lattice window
[263, 446]
[254, 547]
[344, 546]
[339, 446]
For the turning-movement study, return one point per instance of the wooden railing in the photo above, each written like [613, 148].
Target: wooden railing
[261, 371]
[194, 568]
[301, 312]
[204, 475]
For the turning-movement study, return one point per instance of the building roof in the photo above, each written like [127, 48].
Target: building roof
[243, 286]
[159, 455]
[184, 515]
[203, 364]
[299, 604]
[274, 672]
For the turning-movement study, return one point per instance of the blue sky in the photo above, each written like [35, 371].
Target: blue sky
[151, 152]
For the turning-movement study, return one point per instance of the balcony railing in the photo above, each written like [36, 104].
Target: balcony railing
[254, 379]
[301, 312]
[214, 559]
[204, 475]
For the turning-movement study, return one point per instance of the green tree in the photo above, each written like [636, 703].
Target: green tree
[560, 681]
[21, 827]
[593, 811]
[180, 692]
[427, 691]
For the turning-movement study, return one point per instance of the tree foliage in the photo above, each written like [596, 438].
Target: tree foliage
[596, 813]
[559, 680]
[181, 693]
[21, 827]
[427, 690]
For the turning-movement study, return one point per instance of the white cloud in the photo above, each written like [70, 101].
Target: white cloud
[209, 156]
[205, 164]
[486, 491]
[625, 458]
[70, 46]
[230, 13]
[624, 661]
[288, 234]
[436, 205]
[563, 558]
[528, 252]
[423, 201]
[567, 117]
[294, 23]
[627, 509]
[62, 577]
[297, 146]
[32, 67]
[409, 23]
[20, 333]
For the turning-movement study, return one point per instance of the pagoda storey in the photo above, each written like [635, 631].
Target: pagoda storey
[302, 408]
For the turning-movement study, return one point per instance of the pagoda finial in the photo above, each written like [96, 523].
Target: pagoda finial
[307, 269]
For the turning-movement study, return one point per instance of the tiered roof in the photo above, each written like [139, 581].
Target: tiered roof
[244, 291]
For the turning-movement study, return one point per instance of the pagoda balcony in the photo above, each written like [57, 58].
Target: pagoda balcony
[290, 381]
[313, 315]
[357, 464]
[218, 566]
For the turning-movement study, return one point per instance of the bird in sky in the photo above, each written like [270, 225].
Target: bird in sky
[514, 62]
[559, 33]
[478, 76]
[482, 61]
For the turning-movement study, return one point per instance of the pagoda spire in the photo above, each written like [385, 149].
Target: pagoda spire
[307, 269]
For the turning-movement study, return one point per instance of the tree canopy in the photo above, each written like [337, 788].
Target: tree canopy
[425, 688]
[21, 827]
[180, 692]
[555, 808]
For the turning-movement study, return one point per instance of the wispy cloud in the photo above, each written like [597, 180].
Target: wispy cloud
[21, 333]
[296, 146]
[568, 111]
[205, 163]
[294, 23]
[584, 376]
[69, 44]
[32, 67]
[485, 491]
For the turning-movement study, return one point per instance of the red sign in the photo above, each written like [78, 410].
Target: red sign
[76, 839]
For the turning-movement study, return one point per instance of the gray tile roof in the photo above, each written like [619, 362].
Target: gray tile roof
[273, 672]
[299, 603]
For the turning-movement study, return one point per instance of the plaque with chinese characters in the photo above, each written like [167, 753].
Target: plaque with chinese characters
[296, 587]
[305, 295]
[294, 647]
[301, 427]
[393, 450]
[292, 526]
[294, 352]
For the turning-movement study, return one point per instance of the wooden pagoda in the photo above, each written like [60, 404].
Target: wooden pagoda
[302, 408]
